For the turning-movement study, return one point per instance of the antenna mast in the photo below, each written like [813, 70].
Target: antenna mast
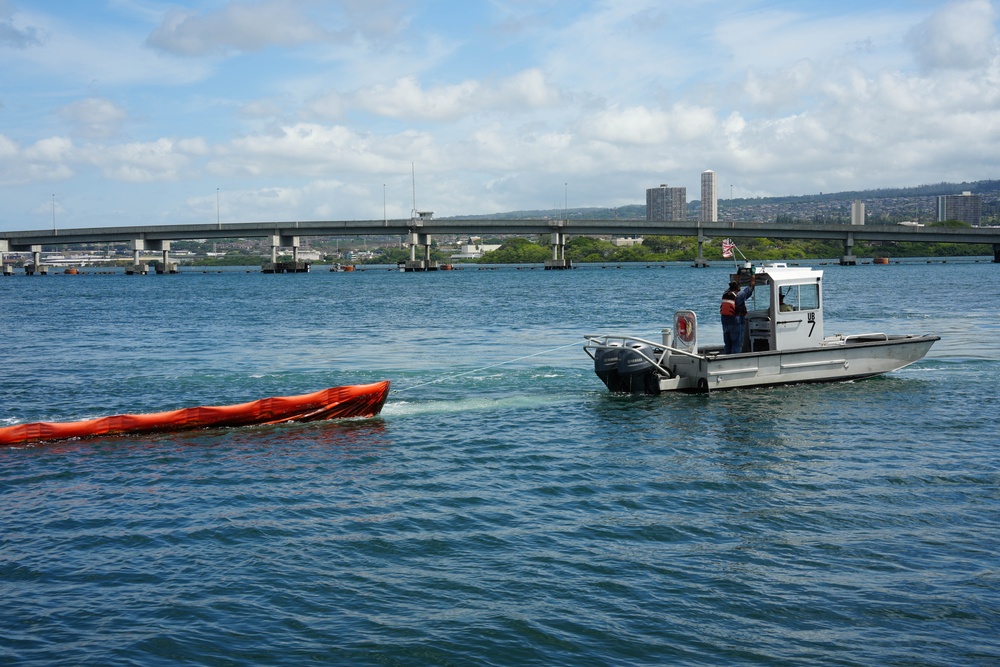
[413, 176]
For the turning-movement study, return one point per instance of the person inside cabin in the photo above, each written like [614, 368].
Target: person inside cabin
[782, 306]
[733, 311]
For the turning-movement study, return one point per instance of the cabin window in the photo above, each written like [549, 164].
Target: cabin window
[799, 297]
[760, 299]
[809, 296]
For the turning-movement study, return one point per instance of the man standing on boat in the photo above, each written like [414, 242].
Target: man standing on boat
[733, 311]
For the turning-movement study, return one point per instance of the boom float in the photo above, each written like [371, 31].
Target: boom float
[363, 400]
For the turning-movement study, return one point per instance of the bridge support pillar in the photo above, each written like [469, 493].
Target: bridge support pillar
[5, 269]
[699, 261]
[295, 266]
[294, 243]
[849, 259]
[164, 266]
[36, 262]
[424, 262]
[137, 268]
[558, 261]
[275, 244]
[996, 253]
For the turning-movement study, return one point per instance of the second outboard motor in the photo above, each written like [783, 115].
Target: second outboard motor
[636, 371]
[606, 366]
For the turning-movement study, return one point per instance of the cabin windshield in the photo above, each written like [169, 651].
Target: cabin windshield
[760, 299]
[799, 297]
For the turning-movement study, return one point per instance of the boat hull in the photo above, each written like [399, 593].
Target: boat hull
[331, 403]
[833, 363]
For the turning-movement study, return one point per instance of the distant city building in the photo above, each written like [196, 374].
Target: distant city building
[666, 203]
[627, 242]
[474, 249]
[966, 207]
[709, 197]
[306, 255]
[857, 212]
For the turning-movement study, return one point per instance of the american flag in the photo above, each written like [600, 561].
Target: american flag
[727, 248]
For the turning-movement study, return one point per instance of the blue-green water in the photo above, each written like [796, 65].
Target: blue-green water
[505, 509]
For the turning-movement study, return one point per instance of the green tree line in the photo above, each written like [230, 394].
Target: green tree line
[583, 249]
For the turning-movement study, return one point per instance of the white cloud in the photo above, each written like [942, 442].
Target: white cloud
[641, 126]
[961, 35]
[44, 161]
[784, 89]
[407, 99]
[8, 148]
[249, 27]
[310, 149]
[94, 117]
[139, 162]
[52, 149]
[238, 26]
[195, 146]
[78, 53]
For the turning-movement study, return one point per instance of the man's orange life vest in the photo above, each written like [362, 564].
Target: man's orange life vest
[729, 307]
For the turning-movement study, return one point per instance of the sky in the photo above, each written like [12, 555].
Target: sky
[141, 112]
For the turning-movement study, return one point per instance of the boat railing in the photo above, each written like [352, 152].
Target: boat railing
[877, 336]
[608, 340]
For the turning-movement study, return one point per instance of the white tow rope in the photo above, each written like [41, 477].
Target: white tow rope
[483, 368]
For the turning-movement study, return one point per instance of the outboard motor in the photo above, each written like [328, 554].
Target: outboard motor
[635, 370]
[606, 366]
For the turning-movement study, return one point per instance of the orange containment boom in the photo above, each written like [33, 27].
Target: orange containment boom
[361, 400]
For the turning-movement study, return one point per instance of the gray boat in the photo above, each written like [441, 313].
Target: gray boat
[784, 343]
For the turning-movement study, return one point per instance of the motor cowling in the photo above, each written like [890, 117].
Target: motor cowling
[636, 370]
[606, 366]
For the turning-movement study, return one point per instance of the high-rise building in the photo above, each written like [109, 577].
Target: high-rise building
[709, 196]
[966, 207]
[857, 212]
[666, 203]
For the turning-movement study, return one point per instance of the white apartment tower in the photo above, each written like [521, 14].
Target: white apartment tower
[858, 212]
[709, 196]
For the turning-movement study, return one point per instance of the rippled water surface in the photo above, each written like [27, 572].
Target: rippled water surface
[505, 509]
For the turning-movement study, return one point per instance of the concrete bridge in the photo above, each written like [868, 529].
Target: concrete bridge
[419, 231]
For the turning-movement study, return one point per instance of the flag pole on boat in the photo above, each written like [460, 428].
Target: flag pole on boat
[727, 251]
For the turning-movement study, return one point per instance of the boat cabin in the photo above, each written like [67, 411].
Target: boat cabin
[785, 311]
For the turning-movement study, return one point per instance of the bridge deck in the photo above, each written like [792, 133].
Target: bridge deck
[23, 240]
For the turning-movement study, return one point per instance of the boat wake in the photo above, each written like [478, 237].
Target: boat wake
[404, 408]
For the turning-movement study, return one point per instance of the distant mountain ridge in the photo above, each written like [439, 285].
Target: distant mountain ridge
[989, 189]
